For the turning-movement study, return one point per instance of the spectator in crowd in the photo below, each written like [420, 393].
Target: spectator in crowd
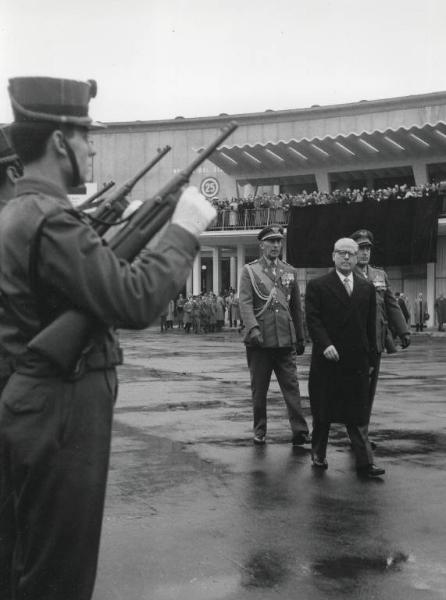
[420, 313]
[220, 312]
[170, 314]
[179, 310]
[440, 311]
[187, 314]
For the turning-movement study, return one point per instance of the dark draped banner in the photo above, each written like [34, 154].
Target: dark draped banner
[405, 231]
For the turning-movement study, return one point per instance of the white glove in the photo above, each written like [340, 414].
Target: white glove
[193, 212]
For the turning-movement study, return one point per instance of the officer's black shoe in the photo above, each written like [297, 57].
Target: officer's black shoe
[299, 439]
[259, 440]
[370, 471]
[373, 445]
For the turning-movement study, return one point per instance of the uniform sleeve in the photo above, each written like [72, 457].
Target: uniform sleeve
[246, 301]
[395, 317]
[296, 310]
[74, 260]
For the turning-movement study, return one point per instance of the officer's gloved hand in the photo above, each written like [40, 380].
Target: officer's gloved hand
[193, 212]
[405, 340]
[255, 337]
[300, 347]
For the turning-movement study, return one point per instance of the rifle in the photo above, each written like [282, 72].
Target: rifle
[76, 326]
[111, 209]
[91, 200]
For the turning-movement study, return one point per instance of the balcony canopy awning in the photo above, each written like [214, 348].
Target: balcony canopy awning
[353, 150]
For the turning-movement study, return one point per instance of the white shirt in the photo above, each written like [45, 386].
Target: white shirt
[343, 277]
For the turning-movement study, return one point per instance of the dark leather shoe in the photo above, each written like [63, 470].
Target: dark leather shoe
[319, 463]
[300, 439]
[259, 440]
[371, 471]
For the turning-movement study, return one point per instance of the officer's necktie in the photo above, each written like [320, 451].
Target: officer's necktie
[347, 286]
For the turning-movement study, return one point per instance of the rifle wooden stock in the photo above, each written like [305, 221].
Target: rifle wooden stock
[89, 202]
[74, 326]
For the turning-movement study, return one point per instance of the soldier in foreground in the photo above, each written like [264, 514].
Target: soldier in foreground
[272, 316]
[55, 428]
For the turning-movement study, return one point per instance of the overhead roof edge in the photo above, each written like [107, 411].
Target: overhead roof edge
[315, 111]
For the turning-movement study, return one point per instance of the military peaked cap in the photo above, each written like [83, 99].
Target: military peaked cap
[273, 232]
[7, 153]
[53, 100]
[363, 237]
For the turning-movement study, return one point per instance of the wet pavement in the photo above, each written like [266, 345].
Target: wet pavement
[196, 512]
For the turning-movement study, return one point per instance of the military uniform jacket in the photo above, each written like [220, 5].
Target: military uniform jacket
[388, 311]
[74, 268]
[271, 301]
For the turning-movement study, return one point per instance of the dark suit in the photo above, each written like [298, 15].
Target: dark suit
[271, 302]
[339, 390]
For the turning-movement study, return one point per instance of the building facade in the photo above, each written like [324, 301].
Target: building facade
[368, 143]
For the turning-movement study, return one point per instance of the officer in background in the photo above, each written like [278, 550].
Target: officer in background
[271, 312]
[55, 428]
[10, 168]
[389, 317]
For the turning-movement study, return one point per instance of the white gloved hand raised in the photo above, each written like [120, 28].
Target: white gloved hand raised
[193, 212]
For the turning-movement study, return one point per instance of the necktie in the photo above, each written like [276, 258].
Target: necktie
[347, 286]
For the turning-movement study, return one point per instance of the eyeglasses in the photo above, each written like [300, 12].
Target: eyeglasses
[345, 253]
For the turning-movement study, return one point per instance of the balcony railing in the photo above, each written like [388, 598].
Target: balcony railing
[253, 218]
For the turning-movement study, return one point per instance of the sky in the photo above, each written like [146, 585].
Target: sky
[158, 59]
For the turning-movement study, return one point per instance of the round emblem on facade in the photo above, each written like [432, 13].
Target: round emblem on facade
[209, 187]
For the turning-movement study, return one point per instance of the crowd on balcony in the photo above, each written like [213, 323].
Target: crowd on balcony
[285, 201]
[256, 211]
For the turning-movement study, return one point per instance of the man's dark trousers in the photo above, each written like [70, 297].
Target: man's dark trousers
[262, 362]
[55, 445]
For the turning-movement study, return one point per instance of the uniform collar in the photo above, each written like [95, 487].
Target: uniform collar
[41, 185]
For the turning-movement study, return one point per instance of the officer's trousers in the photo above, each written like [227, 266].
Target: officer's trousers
[262, 362]
[55, 446]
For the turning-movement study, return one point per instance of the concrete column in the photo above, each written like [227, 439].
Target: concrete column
[233, 272]
[240, 263]
[420, 173]
[216, 270]
[430, 293]
[322, 181]
[189, 285]
[196, 276]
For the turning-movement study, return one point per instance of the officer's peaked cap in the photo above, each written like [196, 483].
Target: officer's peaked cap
[7, 152]
[363, 237]
[273, 232]
[54, 100]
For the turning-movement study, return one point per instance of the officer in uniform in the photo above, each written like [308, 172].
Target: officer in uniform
[272, 316]
[389, 317]
[10, 168]
[55, 428]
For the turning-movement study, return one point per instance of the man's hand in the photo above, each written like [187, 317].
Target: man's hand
[300, 347]
[331, 353]
[255, 337]
[405, 340]
[193, 212]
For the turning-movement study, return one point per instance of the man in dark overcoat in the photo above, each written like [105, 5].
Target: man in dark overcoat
[272, 316]
[341, 319]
